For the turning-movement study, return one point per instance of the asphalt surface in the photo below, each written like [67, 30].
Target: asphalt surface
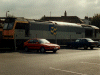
[64, 62]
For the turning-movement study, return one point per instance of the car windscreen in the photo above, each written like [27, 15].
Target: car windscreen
[43, 41]
[90, 40]
[8, 26]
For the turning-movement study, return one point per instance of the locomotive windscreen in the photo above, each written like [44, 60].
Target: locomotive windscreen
[8, 26]
[9, 23]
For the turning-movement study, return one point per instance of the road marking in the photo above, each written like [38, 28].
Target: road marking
[90, 63]
[67, 71]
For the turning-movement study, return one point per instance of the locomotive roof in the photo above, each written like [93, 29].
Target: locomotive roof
[92, 26]
[57, 23]
[66, 24]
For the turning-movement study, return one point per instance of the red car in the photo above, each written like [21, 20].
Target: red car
[41, 45]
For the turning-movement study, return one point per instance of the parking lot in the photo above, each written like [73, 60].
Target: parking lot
[63, 62]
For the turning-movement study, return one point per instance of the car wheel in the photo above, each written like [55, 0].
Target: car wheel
[42, 50]
[54, 51]
[91, 47]
[26, 49]
[85, 47]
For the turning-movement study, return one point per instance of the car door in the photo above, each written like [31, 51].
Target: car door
[81, 43]
[77, 43]
[36, 44]
[30, 44]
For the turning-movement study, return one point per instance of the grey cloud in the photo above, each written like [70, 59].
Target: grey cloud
[38, 8]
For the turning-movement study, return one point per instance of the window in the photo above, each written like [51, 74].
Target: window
[8, 26]
[31, 41]
[34, 41]
[77, 40]
[84, 40]
[5, 26]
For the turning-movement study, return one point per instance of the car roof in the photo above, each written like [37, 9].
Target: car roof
[36, 38]
[84, 38]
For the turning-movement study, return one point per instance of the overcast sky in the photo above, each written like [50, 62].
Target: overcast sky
[35, 9]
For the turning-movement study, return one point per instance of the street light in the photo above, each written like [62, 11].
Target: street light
[6, 13]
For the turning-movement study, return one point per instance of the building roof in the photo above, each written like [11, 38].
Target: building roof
[65, 18]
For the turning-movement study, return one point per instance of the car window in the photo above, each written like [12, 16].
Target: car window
[84, 40]
[80, 40]
[77, 40]
[34, 41]
[31, 41]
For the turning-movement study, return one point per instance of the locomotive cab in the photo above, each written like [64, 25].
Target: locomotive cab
[9, 32]
[8, 28]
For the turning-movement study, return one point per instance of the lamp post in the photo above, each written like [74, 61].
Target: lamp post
[6, 13]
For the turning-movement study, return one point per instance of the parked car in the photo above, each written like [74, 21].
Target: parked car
[83, 42]
[41, 45]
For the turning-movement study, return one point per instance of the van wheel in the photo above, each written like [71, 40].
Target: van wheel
[42, 50]
[26, 49]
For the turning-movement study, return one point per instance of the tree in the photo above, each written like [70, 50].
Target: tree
[96, 20]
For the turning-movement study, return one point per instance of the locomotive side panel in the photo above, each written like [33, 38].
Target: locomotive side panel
[41, 30]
